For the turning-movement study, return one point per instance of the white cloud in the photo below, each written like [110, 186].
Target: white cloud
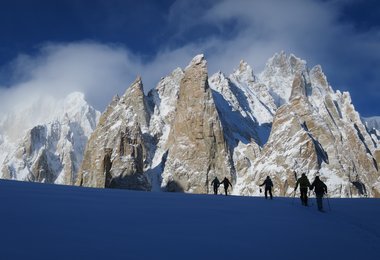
[100, 71]
[41, 81]
[309, 29]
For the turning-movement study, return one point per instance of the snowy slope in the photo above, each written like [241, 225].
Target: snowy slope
[42, 221]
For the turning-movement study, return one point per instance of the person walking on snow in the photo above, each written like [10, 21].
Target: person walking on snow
[268, 187]
[304, 185]
[226, 183]
[215, 184]
[320, 189]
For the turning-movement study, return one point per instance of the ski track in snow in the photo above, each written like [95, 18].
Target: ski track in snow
[41, 221]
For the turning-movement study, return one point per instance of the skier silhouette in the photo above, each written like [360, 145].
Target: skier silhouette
[268, 187]
[215, 184]
[226, 183]
[320, 190]
[304, 185]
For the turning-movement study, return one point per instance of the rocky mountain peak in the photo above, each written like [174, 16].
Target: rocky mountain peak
[243, 66]
[135, 90]
[135, 104]
[296, 64]
[285, 65]
[116, 152]
[278, 76]
[319, 79]
[278, 59]
[168, 84]
[197, 150]
[244, 73]
[220, 81]
[198, 60]
[298, 87]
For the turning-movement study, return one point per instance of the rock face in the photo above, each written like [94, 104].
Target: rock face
[197, 151]
[53, 152]
[116, 153]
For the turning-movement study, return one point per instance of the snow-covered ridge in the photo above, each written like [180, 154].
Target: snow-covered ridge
[52, 150]
[42, 111]
[257, 124]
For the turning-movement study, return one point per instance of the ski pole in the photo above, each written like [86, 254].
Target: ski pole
[309, 199]
[328, 201]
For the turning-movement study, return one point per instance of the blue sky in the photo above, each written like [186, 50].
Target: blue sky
[98, 47]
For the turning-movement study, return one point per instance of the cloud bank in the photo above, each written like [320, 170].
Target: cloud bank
[99, 71]
[226, 31]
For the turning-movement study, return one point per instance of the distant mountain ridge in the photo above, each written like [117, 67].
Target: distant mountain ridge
[244, 126]
[372, 122]
[53, 151]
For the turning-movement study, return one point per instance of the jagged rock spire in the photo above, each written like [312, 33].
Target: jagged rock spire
[197, 149]
[244, 73]
[298, 87]
[116, 152]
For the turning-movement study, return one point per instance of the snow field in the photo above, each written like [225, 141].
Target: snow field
[41, 221]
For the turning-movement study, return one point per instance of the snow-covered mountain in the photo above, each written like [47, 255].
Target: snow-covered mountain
[316, 131]
[244, 126]
[51, 151]
[117, 150]
[281, 122]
